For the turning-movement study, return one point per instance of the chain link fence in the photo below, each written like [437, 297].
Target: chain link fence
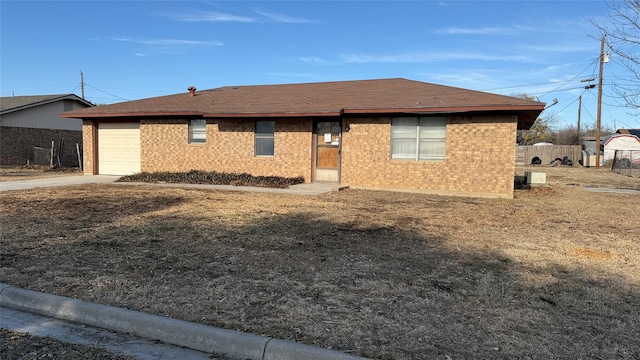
[40, 156]
[626, 162]
[59, 155]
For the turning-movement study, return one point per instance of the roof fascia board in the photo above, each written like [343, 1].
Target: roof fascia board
[460, 109]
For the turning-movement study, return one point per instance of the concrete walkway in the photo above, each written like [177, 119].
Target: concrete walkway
[208, 339]
[300, 189]
[611, 190]
[56, 181]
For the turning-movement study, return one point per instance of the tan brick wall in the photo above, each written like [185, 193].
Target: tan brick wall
[89, 142]
[229, 147]
[479, 157]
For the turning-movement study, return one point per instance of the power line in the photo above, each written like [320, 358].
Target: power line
[573, 78]
[102, 91]
[571, 103]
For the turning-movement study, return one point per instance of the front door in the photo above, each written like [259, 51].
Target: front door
[327, 138]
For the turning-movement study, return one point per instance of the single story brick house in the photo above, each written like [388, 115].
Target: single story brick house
[379, 134]
[33, 121]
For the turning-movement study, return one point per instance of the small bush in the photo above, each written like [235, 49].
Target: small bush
[213, 178]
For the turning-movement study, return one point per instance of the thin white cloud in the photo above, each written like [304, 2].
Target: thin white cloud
[212, 16]
[207, 16]
[280, 18]
[312, 60]
[470, 80]
[560, 48]
[553, 68]
[432, 57]
[477, 31]
[167, 42]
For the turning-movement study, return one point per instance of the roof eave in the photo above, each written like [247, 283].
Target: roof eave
[527, 114]
[447, 109]
[72, 97]
[72, 115]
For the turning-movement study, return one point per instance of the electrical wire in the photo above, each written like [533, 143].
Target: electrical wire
[568, 81]
[102, 91]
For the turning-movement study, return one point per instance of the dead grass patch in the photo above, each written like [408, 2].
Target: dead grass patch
[373, 273]
[28, 172]
[21, 346]
[593, 254]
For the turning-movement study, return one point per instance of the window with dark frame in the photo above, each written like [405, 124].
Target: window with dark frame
[264, 137]
[418, 138]
[197, 131]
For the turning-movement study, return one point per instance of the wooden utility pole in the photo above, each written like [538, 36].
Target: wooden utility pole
[599, 104]
[82, 84]
[579, 111]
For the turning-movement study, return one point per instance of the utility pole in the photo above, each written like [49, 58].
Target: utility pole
[579, 111]
[598, 119]
[82, 84]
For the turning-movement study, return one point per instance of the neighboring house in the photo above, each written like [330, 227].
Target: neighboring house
[635, 132]
[614, 142]
[28, 121]
[379, 134]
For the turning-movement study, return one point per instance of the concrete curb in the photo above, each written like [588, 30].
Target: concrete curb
[233, 344]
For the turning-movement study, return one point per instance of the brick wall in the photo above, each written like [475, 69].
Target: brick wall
[89, 143]
[15, 142]
[479, 157]
[229, 147]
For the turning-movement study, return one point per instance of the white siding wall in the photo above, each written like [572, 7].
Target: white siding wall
[620, 142]
[44, 117]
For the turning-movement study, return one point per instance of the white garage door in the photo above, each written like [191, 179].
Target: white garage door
[118, 148]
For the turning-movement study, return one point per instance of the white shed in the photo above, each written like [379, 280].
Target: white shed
[615, 142]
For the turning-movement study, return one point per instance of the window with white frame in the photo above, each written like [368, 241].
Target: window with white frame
[264, 137]
[197, 131]
[418, 138]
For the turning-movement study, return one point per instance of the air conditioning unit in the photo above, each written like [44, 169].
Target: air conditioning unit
[535, 178]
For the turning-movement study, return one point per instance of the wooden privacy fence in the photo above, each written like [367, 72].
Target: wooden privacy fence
[547, 153]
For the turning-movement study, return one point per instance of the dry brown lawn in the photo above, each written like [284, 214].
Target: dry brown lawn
[553, 273]
[15, 173]
[22, 346]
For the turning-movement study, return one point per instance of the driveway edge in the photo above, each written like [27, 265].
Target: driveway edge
[234, 344]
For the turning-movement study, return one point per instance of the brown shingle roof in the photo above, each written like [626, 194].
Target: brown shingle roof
[321, 99]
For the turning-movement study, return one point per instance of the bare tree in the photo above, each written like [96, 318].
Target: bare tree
[541, 130]
[622, 34]
[589, 130]
[568, 135]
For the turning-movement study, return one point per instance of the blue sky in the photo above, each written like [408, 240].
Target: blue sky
[137, 49]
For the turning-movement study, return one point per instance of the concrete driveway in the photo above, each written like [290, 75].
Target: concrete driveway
[300, 189]
[56, 181]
